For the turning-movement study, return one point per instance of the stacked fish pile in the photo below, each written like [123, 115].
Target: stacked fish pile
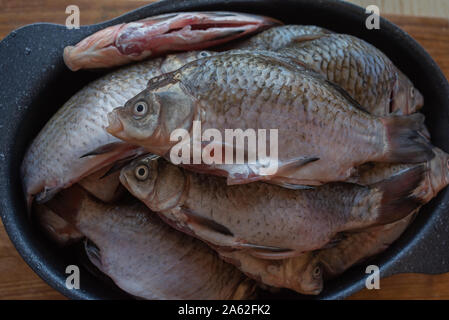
[354, 160]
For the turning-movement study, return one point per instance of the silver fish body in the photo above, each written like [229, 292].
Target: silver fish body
[262, 217]
[54, 160]
[144, 256]
[302, 274]
[367, 74]
[322, 135]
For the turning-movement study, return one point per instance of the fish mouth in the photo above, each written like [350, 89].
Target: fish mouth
[124, 180]
[115, 125]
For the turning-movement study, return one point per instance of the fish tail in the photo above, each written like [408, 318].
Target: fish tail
[67, 203]
[404, 142]
[397, 199]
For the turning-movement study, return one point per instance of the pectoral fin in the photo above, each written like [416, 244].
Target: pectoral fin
[110, 147]
[209, 230]
[270, 253]
[120, 164]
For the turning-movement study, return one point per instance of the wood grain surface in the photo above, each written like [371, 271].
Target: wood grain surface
[18, 281]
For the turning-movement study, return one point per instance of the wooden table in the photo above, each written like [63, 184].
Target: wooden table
[18, 281]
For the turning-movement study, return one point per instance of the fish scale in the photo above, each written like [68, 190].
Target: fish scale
[321, 118]
[144, 256]
[352, 64]
[259, 215]
[53, 159]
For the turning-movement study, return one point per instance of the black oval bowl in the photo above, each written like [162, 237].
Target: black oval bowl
[35, 83]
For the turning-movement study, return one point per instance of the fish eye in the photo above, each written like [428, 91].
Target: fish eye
[204, 54]
[447, 164]
[412, 92]
[316, 272]
[141, 172]
[140, 108]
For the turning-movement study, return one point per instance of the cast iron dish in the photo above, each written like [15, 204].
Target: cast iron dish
[35, 83]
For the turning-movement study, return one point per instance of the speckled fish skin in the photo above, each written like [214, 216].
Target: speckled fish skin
[367, 74]
[53, 160]
[277, 38]
[246, 90]
[302, 274]
[144, 256]
[259, 215]
[357, 247]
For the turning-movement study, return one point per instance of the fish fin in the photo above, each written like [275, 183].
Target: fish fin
[237, 179]
[110, 147]
[309, 37]
[335, 241]
[67, 203]
[292, 165]
[293, 186]
[405, 143]
[425, 133]
[93, 252]
[46, 194]
[270, 253]
[346, 95]
[288, 167]
[397, 200]
[120, 164]
[211, 224]
[209, 231]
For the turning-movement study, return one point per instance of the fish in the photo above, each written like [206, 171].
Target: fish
[322, 135]
[144, 256]
[358, 67]
[361, 69]
[154, 36]
[302, 274]
[54, 227]
[355, 248]
[268, 221]
[73, 144]
[435, 179]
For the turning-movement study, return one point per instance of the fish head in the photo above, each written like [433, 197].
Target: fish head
[137, 120]
[159, 184]
[140, 177]
[150, 118]
[405, 98]
[311, 280]
[304, 274]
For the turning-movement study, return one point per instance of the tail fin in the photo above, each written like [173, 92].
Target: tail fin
[404, 142]
[67, 203]
[397, 195]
